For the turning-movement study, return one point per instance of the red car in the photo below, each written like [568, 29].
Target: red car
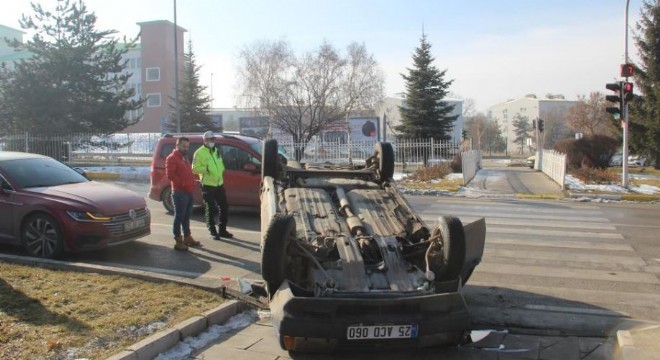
[242, 178]
[50, 208]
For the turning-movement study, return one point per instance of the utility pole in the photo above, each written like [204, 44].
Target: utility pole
[625, 118]
[176, 75]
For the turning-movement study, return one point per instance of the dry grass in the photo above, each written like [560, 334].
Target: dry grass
[50, 314]
[444, 184]
[636, 170]
[432, 172]
[652, 182]
[595, 176]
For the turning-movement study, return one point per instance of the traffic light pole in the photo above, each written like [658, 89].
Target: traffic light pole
[624, 116]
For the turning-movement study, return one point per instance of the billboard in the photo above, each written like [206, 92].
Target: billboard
[256, 126]
[364, 130]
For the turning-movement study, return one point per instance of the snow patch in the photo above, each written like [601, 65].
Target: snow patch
[454, 176]
[399, 176]
[576, 184]
[189, 345]
[645, 189]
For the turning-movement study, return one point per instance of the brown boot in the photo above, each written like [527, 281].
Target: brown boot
[188, 240]
[179, 244]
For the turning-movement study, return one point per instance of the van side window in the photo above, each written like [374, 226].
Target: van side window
[235, 158]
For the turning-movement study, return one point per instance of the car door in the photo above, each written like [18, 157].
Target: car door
[8, 208]
[241, 179]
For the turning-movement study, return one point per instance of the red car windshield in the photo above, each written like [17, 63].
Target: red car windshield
[40, 172]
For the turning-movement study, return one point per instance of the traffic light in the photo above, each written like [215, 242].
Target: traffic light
[627, 91]
[540, 123]
[617, 99]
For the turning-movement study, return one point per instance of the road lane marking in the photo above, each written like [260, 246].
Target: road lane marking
[561, 244]
[546, 232]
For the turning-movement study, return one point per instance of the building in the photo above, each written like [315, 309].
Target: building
[530, 107]
[151, 64]
[388, 111]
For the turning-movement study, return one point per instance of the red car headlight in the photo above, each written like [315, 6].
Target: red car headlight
[88, 216]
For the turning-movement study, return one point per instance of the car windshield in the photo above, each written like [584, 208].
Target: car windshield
[40, 172]
[280, 149]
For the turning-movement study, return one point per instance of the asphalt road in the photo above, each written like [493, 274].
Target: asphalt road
[541, 257]
[577, 268]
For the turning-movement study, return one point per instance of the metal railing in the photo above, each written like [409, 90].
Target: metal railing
[554, 165]
[137, 149]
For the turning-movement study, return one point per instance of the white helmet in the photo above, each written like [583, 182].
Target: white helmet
[209, 135]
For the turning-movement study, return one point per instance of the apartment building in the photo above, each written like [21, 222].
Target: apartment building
[151, 64]
[530, 107]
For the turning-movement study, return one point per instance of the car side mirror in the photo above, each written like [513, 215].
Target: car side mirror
[250, 167]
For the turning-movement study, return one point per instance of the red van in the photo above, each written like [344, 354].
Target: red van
[241, 156]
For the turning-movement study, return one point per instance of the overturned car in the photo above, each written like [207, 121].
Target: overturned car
[348, 263]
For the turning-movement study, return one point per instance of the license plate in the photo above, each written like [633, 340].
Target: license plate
[359, 332]
[132, 225]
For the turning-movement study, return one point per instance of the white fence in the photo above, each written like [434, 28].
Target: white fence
[554, 165]
[408, 154]
[471, 164]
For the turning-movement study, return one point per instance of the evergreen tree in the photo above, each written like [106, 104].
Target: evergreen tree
[194, 104]
[424, 114]
[644, 122]
[521, 128]
[74, 81]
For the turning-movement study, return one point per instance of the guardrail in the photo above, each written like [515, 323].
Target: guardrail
[554, 165]
[471, 163]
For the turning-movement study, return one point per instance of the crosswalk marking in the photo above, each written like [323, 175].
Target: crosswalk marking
[556, 256]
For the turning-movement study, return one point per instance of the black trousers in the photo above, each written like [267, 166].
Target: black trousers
[215, 199]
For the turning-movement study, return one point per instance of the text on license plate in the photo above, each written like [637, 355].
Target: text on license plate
[132, 225]
[358, 332]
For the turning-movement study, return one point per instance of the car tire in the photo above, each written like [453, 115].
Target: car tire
[166, 198]
[274, 264]
[41, 236]
[385, 155]
[453, 237]
[270, 162]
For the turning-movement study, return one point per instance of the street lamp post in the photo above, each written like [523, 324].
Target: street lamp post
[176, 75]
[624, 123]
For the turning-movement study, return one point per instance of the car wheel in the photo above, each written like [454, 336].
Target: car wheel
[385, 155]
[453, 237]
[41, 236]
[270, 162]
[274, 264]
[166, 198]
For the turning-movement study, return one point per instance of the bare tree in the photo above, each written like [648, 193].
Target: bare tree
[304, 94]
[589, 115]
[476, 127]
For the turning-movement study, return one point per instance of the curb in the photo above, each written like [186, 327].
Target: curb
[624, 197]
[627, 350]
[161, 341]
[164, 340]
[640, 197]
[539, 196]
[99, 175]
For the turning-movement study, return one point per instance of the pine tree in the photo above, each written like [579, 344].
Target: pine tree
[644, 122]
[521, 128]
[424, 114]
[74, 81]
[194, 104]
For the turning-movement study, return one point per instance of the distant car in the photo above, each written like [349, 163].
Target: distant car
[616, 160]
[50, 208]
[242, 177]
[637, 160]
[531, 161]
[349, 263]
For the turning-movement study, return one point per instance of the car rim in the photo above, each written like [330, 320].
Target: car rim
[41, 237]
[167, 200]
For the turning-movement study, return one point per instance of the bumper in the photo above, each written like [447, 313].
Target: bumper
[313, 324]
[83, 236]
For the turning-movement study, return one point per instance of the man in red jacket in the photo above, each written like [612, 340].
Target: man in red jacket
[183, 182]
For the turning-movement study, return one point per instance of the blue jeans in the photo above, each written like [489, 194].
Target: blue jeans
[183, 204]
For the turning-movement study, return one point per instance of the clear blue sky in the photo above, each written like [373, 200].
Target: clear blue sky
[494, 50]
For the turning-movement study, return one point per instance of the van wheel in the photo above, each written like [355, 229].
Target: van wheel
[41, 236]
[384, 152]
[453, 241]
[269, 161]
[166, 198]
[275, 267]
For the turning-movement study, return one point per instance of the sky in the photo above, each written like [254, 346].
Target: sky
[494, 50]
